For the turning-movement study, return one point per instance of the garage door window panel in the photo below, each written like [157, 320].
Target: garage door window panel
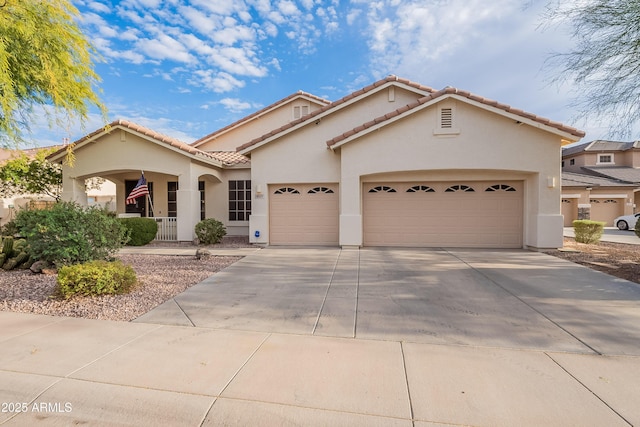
[462, 188]
[286, 190]
[382, 189]
[420, 189]
[501, 187]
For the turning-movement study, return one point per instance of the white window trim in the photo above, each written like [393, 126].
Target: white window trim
[301, 111]
[612, 162]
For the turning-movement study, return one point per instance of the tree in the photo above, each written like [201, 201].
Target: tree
[24, 174]
[34, 174]
[45, 60]
[605, 63]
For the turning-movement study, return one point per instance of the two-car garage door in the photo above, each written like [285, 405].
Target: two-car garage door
[443, 214]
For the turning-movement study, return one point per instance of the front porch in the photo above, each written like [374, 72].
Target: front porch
[185, 185]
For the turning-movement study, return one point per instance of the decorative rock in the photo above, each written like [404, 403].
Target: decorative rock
[202, 253]
[38, 266]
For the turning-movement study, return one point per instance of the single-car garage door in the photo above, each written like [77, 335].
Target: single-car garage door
[303, 214]
[606, 210]
[487, 214]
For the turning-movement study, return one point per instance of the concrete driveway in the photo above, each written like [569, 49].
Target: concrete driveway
[499, 298]
[371, 337]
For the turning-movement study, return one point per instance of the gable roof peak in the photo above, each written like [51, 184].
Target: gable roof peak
[435, 96]
[259, 113]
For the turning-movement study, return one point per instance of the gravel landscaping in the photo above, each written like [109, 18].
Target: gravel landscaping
[160, 279]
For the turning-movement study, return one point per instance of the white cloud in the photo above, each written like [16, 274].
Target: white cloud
[165, 47]
[99, 7]
[288, 8]
[235, 105]
[220, 82]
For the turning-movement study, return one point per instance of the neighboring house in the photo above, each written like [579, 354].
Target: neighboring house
[393, 164]
[102, 195]
[600, 180]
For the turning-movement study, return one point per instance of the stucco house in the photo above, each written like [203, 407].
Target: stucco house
[600, 180]
[395, 163]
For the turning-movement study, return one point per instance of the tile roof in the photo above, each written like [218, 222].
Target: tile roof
[224, 158]
[259, 113]
[571, 179]
[453, 91]
[335, 104]
[600, 145]
[620, 173]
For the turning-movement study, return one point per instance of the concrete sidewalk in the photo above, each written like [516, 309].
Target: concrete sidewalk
[62, 371]
[328, 337]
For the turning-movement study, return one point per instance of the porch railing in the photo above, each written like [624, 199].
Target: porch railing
[167, 229]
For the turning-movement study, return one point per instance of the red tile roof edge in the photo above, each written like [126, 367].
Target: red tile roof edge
[257, 113]
[332, 105]
[453, 91]
[236, 158]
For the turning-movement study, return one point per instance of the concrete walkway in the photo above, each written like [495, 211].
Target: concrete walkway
[344, 337]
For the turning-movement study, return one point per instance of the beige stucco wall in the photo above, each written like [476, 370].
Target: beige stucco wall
[488, 146]
[231, 139]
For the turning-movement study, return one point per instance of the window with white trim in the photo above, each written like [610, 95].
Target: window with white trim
[300, 111]
[239, 200]
[605, 159]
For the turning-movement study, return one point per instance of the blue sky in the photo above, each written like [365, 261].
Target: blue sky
[187, 68]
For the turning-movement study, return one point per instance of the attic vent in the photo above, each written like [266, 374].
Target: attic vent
[446, 118]
[300, 110]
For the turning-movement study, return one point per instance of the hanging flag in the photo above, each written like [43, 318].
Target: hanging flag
[139, 190]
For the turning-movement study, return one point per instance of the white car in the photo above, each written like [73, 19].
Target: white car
[626, 222]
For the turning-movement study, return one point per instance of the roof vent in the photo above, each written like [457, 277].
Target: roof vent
[446, 118]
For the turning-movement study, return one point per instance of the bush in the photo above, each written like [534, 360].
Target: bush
[9, 229]
[588, 231]
[637, 229]
[67, 233]
[141, 230]
[210, 231]
[95, 278]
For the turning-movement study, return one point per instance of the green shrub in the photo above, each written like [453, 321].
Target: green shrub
[9, 229]
[210, 231]
[141, 230]
[67, 233]
[95, 278]
[588, 231]
[637, 229]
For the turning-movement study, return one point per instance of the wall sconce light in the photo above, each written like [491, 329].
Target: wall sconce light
[551, 182]
[258, 190]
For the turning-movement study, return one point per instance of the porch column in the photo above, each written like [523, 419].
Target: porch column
[188, 209]
[73, 190]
